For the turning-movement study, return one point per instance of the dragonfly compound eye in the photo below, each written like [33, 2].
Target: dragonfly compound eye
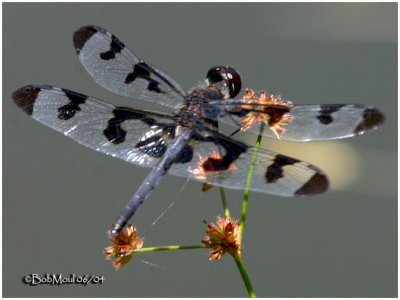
[228, 75]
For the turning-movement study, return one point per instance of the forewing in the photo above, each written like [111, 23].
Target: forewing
[312, 122]
[113, 66]
[137, 136]
[273, 173]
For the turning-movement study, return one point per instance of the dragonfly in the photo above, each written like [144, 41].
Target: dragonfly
[188, 142]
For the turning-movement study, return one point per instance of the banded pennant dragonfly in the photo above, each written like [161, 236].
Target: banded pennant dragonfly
[187, 142]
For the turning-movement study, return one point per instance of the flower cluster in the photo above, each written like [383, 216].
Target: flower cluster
[123, 247]
[268, 109]
[223, 237]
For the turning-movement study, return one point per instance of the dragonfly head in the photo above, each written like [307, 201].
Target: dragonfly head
[227, 76]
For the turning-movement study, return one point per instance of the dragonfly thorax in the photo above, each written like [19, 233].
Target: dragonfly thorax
[196, 109]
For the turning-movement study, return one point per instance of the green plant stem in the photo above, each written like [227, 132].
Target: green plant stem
[245, 276]
[224, 203]
[248, 183]
[168, 248]
[237, 257]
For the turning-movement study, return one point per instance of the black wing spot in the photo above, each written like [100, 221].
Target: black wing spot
[232, 149]
[25, 97]
[325, 119]
[116, 46]
[116, 134]
[141, 70]
[275, 112]
[153, 86]
[275, 170]
[69, 110]
[330, 109]
[213, 123]
[149, 121]
[326, 111]
[154, 146]
[317, 184]
[372, 118]
[217, 164]
[185, 156]
[82, 35]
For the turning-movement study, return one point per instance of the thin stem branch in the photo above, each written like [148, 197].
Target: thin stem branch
[248, 183]
[238, 257]
[168, 248]
[245, 276]
[224, 203]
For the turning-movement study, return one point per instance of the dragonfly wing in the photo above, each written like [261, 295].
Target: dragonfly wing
[218, 160]
[137, 136]
[116, 68]
[311, 122]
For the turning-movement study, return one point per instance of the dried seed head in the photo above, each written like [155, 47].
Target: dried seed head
[268, 109]
[123, 246]
[223, 237]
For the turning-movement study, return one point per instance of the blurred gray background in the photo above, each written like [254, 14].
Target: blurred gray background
[59, 198]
